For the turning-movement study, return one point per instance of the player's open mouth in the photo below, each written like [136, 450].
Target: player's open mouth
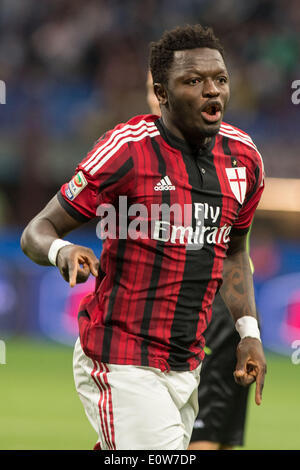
[212, 112]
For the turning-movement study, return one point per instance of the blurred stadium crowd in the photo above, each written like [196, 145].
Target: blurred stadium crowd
[75, 68]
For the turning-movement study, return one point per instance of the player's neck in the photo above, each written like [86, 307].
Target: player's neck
[191, 141]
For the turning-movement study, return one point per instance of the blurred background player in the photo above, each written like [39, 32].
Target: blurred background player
[221, 420]
[220, 423]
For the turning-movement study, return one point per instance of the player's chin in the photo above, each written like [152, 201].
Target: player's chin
[210, 130]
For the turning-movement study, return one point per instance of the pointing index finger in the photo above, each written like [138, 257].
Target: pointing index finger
[259, 386]
[73, 267]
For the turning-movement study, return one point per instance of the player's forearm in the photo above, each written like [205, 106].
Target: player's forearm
[237, 289]
[37, 238]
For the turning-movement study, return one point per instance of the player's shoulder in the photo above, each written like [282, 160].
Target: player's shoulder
[243, 139]
[141, 125]
[137, 129]
[115, 142]
[234, 133]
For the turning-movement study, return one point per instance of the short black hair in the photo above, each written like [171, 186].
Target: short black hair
[179, 39]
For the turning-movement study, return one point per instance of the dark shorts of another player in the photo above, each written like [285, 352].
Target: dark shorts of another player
[222, 403]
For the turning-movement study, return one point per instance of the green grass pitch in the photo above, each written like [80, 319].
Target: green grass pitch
[40, 409]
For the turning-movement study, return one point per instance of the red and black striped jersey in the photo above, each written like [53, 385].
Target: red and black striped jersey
[154, 293]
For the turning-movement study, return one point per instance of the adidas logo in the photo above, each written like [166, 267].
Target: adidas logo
[164, 185]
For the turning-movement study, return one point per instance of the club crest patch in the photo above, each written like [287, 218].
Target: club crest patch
[238, 182]
[76, 185]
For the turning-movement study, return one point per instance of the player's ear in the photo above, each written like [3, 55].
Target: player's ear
[161, 93]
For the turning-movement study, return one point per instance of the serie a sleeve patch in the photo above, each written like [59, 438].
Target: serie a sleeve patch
[76, 185]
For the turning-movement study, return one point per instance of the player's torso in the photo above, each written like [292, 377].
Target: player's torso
[163, 267]
[177, 214]
[183, 198]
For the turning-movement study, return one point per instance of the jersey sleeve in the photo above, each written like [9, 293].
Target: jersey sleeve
[255, 183]
[106, 172]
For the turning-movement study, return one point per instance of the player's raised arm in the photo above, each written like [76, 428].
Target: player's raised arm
[238, 293]
[42, 242]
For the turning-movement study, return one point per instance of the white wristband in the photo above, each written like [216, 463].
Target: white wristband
[247, 326]
[56, 245]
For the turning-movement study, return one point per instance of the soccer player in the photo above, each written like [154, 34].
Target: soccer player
[195, 183]
[220, 423]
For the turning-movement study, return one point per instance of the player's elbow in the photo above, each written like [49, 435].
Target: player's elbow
[24, 241]
[28, 238]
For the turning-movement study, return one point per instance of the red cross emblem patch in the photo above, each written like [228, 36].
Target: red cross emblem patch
[238, 182]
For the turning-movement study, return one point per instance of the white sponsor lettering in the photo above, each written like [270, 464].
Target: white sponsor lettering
[174, 224]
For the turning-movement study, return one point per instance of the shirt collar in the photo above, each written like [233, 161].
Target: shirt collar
[181, 144]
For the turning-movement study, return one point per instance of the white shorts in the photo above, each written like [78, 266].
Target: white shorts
[135, 407]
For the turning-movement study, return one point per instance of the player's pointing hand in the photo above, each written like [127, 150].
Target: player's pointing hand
[76, 263]
[251, 365]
